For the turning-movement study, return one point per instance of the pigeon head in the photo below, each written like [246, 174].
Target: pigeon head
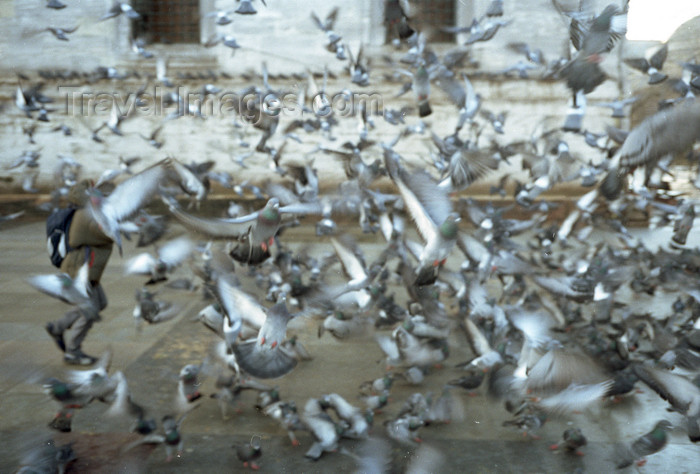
[94, 196]
[659, 431]
[172, 437]
[448, 229]
[414, 423]
[271, 211]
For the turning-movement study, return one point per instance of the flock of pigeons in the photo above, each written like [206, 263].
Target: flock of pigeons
[541, 302]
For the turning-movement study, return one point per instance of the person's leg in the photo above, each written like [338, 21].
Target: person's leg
[76, 335]
[74, 354]
[99, 296]
[58, 327]
[81, 327]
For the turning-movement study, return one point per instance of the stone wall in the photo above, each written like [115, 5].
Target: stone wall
[284, 37]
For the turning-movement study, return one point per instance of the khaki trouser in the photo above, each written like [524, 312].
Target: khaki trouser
[89, 244]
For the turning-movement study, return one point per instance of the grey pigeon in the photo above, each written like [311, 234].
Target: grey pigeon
[55, 4]
[248, 453]
[265, 356]
[255, 232]
[668, 132]
[431, 210]
[652, 66]
[118, 8]
[650, 443]
[246, 7]
[680, 392]
[170, 255]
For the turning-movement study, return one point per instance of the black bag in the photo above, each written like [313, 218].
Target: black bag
[57, 226]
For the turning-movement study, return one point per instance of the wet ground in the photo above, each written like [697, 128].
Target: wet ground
[152, 359]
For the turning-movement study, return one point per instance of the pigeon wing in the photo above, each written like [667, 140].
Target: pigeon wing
[263, 362]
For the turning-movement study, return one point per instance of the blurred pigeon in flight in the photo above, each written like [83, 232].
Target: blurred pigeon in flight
[652, 66]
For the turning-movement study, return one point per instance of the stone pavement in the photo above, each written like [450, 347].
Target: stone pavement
[152, 359]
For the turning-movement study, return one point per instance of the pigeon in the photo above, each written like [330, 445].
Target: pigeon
[652, 66]
[170, 255]
[405, 349]
[138, 46]
[481, 31]
[528, 423]
[126, 199]
[650, 443]
[359, 423]
[431, 210]
[494, 8]
[396, 17]
[9, 217]
[265, 356]
[680, 392]
[222, 17]
[246, 7]
[55, 4]
[255, 231]
[152, 311]
[45, 456]
[62, 33]
[421, 88]
[496, 121]
[595, 35]
[188, 385]
[75, 291]
[152, 139]
[359, 72]
[572, 440]
[150, 228]
[82, 388]
[683, 224]
[592, 36]
[285, 413]
[668, 132]
[70, 396]
[469, 382]
[378, 385]
[404, 429]
[171, 437]
[334, 44]
[248, 453]
[118, 8]
[617, 106]
[323, 428]
[534, 56]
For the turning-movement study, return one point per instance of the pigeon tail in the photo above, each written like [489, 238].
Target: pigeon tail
[611, 186]
[424, 109]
